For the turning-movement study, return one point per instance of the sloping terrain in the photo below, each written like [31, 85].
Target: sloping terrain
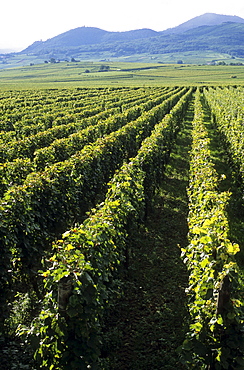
[204, 33]
[207, 19]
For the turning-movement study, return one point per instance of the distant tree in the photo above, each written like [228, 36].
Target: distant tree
[52, 60]
[179, 61]
[104, 68]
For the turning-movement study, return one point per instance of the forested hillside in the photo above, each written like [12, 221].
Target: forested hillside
[210, 32]
[226, 38]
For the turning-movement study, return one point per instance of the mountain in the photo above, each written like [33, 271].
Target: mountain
[88, 36]
[223, 38]
[208, 32]
[207, 19]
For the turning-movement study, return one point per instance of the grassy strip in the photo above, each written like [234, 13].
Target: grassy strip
[148, 323]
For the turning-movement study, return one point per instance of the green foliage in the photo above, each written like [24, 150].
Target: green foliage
[21, 312]
[215, 338]
[62, 152]
[90, 255]
[227, 115]
[53, 199]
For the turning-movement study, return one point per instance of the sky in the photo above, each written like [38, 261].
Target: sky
[24, 21]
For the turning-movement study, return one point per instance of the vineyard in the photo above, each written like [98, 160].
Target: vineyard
[86, 176]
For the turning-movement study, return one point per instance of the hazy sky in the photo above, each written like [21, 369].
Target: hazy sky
[24, 21]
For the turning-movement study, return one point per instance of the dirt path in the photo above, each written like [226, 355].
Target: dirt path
[150, 321]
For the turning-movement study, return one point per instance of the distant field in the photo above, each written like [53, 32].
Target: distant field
[188, 57]
[88, 74]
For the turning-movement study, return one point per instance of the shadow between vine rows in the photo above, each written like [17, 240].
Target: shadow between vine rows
[150, 321]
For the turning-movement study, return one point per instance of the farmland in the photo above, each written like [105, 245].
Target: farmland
[122, 216]
[116, 74]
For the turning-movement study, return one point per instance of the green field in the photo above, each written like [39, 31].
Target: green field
[66, 75]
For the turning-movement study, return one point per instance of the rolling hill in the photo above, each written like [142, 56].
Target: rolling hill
[88, 36]
[209, 31]
[203, 34]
